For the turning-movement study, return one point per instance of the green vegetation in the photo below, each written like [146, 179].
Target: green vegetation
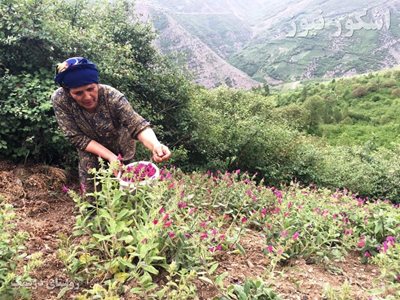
[338, 134]
[317, 55]
[14, 285]
[314, 171]
[159, 241]
[36, 35]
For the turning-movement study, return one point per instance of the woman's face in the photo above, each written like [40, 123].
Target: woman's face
[87, 96]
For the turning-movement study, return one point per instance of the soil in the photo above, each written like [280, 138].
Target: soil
[47, 215]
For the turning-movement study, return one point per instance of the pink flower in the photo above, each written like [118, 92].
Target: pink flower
[295, 236]
[390, 240]
[171, 185]
[119, 157]
[243, 220]
[155, 221]
[162, 210]
[348, 231]
[263, 212]
[203, 235]
[182, 204]
[215, 248]
[167, 224]
[276, 210]
[367, 254]
[290, 204]
[384, 247]
[214, 231]
[65, 189]
[270, 249]
[361, 242]
[203, 224]
[171, 234]
[278, 194]
[192, 210]
[251, 195]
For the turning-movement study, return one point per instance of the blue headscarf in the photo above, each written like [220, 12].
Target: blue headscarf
[76, 72]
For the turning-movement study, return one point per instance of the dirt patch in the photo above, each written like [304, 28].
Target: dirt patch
[298, 279]
[44, 213]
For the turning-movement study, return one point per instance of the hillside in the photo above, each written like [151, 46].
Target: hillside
[359, 110]
[324, 44]
[284, 41]
[205, 66]
[273, 253]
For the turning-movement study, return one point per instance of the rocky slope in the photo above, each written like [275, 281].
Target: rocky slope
[204, 65]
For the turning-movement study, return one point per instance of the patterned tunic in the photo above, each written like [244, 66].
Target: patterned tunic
[114, 124]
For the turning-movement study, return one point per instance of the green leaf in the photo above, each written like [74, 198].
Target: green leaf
[101, 238]
[213, 268]
[149, 269]
[241, 249]
[206, 279]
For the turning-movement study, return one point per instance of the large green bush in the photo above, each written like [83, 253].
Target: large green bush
[28, 127]
[35, 35]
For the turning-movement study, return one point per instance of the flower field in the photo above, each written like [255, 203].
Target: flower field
[200, 236]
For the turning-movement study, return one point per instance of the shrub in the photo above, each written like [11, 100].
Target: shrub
[396, 93]
[389, 83]
[28, 126]
[359, 91]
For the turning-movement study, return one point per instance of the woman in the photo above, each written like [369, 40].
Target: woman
[98, 120]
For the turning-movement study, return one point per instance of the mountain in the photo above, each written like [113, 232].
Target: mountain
[206, 66]
[316, 39]
[278, 41]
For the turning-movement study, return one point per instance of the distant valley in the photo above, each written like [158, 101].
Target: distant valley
[243, 43]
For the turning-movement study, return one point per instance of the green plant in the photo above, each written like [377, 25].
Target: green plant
[388, 261]
[251, 289]
[136, 236]
[14, 284]
[342, 293]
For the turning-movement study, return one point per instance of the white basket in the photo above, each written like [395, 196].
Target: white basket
[125, 185]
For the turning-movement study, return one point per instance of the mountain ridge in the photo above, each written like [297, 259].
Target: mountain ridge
[270, 41]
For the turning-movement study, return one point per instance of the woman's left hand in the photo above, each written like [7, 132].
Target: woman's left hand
[161, 153]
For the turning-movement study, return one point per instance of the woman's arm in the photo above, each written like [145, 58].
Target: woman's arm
[99, 150]
[149, 139]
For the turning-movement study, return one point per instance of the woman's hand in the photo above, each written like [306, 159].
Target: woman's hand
[160, 153]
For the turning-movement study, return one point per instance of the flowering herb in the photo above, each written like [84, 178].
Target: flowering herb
[138, 172]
